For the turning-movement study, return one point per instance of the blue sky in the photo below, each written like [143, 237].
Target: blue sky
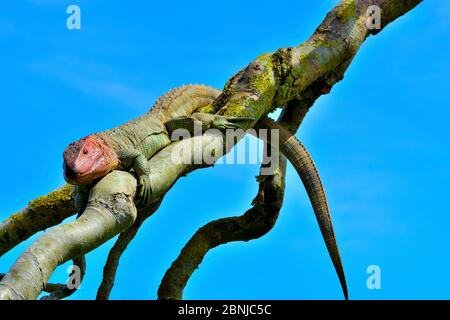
[380, 140]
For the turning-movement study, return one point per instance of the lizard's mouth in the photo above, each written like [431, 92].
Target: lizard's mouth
[69, 174]
[78, 177]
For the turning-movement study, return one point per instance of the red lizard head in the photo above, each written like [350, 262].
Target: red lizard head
[88, 159]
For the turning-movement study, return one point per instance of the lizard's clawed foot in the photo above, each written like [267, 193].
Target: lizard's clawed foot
[144, 191]
[81, 197]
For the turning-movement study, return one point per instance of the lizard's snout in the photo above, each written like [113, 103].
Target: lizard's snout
[87, 159]
[79, 159]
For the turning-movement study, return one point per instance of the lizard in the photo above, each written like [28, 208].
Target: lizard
[130, 146]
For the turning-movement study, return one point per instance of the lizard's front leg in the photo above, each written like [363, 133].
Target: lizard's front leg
[134, 159]
[81, 197]
[142, 169]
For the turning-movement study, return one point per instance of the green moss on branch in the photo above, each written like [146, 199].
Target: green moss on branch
[41, 213]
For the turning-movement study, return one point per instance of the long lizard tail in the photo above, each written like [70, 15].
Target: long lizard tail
[299, 157]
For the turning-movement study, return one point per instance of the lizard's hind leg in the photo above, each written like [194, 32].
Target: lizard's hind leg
[204, 121]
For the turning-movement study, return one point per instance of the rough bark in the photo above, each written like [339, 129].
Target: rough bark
[112, 263]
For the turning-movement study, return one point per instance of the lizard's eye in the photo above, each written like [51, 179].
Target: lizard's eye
[85, 151]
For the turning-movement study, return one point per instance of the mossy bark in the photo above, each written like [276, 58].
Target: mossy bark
[41, 213]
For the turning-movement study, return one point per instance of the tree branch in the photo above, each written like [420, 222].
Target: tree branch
[41, 213]
[110, 210]
[255, 223]
[49, 287]
[112, 263]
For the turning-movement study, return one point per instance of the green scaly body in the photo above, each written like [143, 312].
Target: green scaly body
[147, 134]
